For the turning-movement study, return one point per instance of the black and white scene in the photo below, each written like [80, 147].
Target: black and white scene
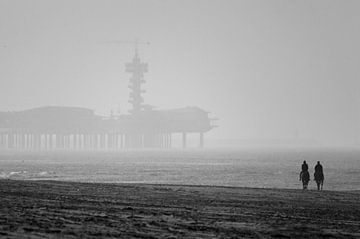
[179, 119]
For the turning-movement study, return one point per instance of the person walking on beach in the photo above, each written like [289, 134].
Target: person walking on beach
[319, 176]
[304, 175]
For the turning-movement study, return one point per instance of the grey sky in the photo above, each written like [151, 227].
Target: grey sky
[267, 69]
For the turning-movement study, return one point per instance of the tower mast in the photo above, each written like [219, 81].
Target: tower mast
[137, 69]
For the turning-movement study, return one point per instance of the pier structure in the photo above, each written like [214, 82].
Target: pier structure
[48, 128]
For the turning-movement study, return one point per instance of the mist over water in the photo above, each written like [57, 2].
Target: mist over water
[268, 73]
[273, 70]
[271, 168]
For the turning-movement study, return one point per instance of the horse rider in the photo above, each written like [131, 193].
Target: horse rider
[319, 175]
[304, 166]
[304, 175]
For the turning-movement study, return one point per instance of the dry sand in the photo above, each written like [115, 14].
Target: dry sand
[41, 209]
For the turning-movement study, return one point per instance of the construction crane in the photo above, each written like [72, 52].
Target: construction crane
[136, 43]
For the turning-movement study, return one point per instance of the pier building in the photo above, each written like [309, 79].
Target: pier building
[55, 127]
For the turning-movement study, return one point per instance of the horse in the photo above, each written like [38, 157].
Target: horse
[305, 178]
[319, 179]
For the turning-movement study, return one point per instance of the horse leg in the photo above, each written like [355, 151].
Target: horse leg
[305, 185]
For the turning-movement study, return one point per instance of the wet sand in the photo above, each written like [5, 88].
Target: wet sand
[38, 209]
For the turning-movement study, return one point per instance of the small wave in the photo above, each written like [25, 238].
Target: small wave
[26, 174]
[46, 173]
[14, 174]
[17, 173]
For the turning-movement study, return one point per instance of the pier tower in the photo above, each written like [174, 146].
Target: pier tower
[137, 69]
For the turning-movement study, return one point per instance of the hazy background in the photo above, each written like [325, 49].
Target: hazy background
[267, 69]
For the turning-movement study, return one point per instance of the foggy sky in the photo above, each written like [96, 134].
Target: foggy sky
[266, 69]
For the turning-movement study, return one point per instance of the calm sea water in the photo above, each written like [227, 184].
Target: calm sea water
[244, 168]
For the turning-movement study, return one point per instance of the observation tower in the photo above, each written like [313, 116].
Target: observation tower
[137, 69]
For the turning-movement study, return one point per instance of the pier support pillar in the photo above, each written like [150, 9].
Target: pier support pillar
[184, 139]
[102, 141]
[11, 141]
[2, 141]
[122, 141]
[116, 141]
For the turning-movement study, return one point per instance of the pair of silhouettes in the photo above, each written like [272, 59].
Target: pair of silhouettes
[318, 175]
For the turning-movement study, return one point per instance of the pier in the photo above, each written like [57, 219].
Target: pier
[69, 128]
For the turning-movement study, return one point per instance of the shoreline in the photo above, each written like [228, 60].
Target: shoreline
[182, 185]
[178, 185]
[46, 208]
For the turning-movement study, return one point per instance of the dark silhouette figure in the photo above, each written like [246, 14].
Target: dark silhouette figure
[319, 176]
[304, 166]
[305, 178]
[304, 175]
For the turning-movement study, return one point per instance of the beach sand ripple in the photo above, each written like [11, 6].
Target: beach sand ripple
[40, 209]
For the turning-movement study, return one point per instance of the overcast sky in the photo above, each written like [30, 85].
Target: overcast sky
[266, 69]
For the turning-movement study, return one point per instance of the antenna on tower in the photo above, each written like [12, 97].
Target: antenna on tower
[137, 68]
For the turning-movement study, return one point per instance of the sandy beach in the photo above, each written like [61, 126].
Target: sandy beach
[38, 209]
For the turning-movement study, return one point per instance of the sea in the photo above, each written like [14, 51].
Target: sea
[255, 168]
